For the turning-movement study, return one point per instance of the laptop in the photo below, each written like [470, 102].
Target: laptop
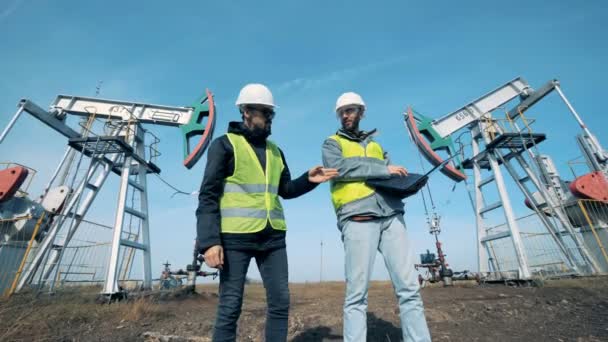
[404, 186]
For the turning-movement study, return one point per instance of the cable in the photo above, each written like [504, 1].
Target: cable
[426, 211]
[177, 191]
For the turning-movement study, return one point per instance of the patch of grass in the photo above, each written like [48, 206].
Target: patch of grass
[592, 282]
[139, 309]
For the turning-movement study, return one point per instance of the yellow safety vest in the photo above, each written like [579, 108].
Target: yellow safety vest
[250, 197]
[346, 192]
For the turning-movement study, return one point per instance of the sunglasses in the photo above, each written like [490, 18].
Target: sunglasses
[349, 110]
[267, 112]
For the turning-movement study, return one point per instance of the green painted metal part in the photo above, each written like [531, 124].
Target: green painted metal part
[193, 127]
[436, 142]
[204, 107]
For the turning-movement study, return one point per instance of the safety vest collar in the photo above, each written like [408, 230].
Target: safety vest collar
[361, 136]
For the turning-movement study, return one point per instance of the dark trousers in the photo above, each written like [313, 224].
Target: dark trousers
[273, 269]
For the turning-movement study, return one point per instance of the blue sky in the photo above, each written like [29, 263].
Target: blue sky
[435, 56]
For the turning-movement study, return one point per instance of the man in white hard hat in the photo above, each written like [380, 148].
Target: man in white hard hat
[240, 216]
[370, 221]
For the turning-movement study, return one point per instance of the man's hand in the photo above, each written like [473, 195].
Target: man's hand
[214, 257]
[319, 174]
[397, 170]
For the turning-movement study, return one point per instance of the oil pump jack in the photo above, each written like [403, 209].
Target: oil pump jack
[122, 146]
[513, 147]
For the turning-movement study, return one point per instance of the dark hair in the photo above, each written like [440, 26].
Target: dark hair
[242, 109]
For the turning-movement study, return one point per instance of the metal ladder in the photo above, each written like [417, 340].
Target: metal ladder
[548, 185]
[126, 143]
[133, 178]
[556, 222]
[485, 160]
[76, 208]
[504, 149]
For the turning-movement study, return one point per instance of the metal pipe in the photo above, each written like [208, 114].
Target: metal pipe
[599, 150]
[54, 176]
[11, 123]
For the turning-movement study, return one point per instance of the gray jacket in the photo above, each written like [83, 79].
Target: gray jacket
[357, 169]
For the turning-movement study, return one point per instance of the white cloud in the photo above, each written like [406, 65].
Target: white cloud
[12, 7]
[306, 83]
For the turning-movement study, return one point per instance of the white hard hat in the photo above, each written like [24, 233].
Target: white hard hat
[255, 93]
[349, 98]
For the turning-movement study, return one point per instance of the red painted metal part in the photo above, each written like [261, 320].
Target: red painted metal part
[200, 148]
[591, 186]
[449, 170]
[10, 181]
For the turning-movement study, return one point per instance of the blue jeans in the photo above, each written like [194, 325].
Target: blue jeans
[273, 269]
[361, 241]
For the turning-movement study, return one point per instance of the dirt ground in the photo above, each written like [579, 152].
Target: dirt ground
[564, 310]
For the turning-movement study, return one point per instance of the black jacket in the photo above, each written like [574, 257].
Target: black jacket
[220, 165]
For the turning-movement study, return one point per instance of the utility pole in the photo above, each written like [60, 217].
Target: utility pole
[321, 263]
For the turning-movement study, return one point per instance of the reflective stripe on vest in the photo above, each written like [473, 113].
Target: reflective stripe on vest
[250, 197]
[346, 192]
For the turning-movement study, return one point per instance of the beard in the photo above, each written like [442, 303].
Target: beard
[352, 127]
[258, 133]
